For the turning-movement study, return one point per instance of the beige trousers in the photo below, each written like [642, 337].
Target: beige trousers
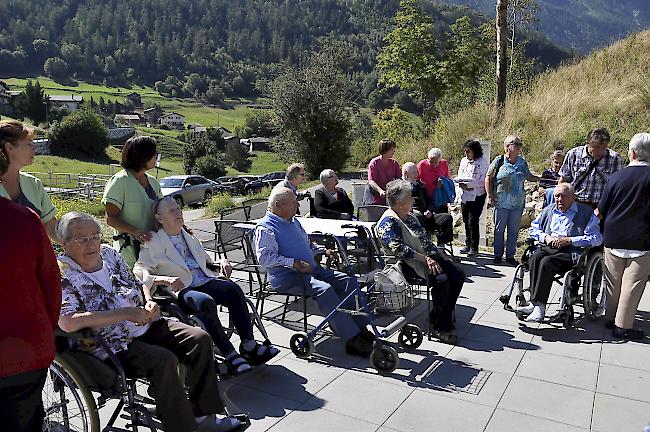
[626, 279]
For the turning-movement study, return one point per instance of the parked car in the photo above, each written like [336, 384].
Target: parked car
[221, 188]
[267, 180]
[237, 183]
[187, 189]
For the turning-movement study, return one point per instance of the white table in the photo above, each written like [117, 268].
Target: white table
[313, 225]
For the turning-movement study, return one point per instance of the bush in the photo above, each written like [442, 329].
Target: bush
[218, 203]
[80, 132]
[210, 166]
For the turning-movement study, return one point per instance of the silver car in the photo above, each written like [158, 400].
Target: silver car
[187, 189]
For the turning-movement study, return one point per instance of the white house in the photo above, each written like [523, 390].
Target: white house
[173, 120]
[70, 102]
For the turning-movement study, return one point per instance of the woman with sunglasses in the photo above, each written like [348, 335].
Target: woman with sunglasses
[17, 151]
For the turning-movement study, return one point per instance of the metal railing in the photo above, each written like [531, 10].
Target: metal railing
[84, 186]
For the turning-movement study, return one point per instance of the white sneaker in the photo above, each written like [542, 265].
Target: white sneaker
[225, 424]
[528, 309]
[537, 315]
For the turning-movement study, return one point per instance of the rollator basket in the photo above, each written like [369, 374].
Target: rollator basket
[392, 292]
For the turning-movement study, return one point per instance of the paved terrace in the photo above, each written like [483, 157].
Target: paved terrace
[501, 376]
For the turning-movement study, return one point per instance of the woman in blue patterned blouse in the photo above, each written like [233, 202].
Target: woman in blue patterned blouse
[409, 242]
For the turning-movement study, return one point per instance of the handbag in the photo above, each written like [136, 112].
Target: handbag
[393, 293]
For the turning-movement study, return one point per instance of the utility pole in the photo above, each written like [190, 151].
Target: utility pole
[502, 65]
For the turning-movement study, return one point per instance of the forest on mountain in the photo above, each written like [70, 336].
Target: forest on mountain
[580, 25]
[209, 49]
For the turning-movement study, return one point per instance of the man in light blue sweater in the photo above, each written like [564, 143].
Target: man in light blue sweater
[282, 246]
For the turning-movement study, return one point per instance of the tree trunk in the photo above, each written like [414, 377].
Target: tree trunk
[502, 65]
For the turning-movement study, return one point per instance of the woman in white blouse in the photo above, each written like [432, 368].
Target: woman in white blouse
[471, 173]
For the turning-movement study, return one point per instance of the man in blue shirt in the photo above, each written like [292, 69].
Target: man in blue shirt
[564, 227]
[283, 248]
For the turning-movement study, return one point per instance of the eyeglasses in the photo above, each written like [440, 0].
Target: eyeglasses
[95, 238]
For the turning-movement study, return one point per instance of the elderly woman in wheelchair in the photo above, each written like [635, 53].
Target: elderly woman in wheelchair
[100, 293]
[563, 238]
[176, 260]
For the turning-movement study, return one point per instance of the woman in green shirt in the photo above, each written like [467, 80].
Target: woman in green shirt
[17, 151]
[129, 195]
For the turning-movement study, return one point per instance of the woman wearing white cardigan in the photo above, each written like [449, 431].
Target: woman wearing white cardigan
[176, 259]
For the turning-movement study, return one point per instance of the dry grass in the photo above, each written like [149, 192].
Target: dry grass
[610, 88]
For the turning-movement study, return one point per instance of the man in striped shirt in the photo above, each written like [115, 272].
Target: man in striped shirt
[587, 167]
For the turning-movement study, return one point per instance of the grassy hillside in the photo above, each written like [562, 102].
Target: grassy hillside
[263, 162]
[194, 111]
[610, 88]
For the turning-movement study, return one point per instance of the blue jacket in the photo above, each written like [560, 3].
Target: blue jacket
[446, 194]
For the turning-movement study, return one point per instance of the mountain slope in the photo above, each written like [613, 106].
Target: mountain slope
[582, 25]
[610, 88]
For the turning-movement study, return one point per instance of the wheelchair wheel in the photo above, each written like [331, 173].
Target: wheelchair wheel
[301, 345]
[69, 405]
[593, 288]
[410, 337]
[384, 358]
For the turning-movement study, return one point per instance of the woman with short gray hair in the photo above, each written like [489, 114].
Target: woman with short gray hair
[429, 172]
[408, 241]
[625, 202]
[331, 201]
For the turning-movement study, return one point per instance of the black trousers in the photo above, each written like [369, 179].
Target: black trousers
[544, 265]
[21, 404]
[440, 224]
[156, 355]
[471, 213]
[443, 296]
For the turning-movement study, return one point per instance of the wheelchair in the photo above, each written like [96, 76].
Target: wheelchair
[586, 278]
[78, 384]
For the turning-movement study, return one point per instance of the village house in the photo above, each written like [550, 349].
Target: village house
[153, 114]
[173, 120]
[132, 118]
[257, 143]
[69, 102]
[6, 108]
[134, 99]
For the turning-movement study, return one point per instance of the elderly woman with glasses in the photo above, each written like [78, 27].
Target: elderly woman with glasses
[409, 242]
[100, 292]
[331, 201]
[429, 172]
[176, 260]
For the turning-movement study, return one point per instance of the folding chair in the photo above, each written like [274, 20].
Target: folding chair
[371, 212]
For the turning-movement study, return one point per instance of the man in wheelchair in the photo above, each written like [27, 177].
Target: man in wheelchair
[100, 292]
[562, 229]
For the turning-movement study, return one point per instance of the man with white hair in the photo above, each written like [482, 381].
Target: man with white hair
[440, 224]
[625, 209]
[282, 246]
[564, 227]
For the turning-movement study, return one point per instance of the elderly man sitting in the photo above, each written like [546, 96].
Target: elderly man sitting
[564, 228]
[330, 201]
[282, 246]
[100, 292]
[441, 224]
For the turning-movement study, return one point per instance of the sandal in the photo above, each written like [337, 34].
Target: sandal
[260, 354]
[237, 365]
